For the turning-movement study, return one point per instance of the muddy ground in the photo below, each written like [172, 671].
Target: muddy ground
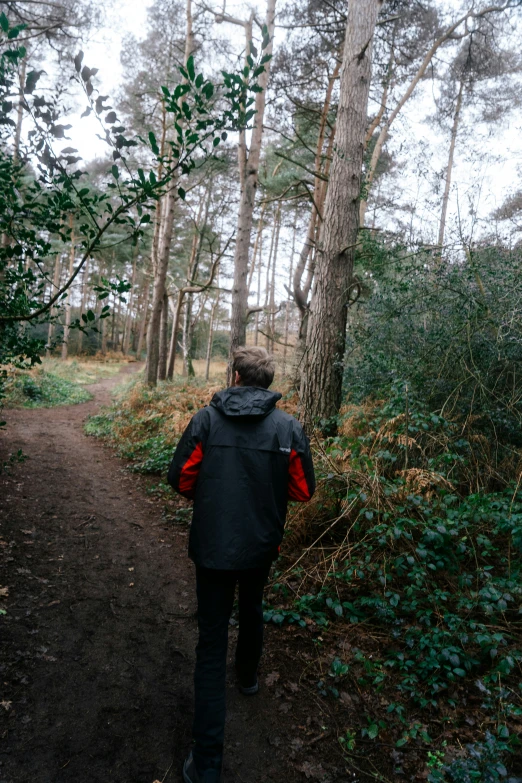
[99, 632]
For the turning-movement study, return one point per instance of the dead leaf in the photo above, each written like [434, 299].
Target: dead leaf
[294, 687]
[272, 678]
[4, 592]
[311, 770]
[6, 704]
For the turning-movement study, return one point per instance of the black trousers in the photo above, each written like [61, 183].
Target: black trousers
[215, 593]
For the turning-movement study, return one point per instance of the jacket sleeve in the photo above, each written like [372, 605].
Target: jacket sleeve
[301, 476]
[185, 465]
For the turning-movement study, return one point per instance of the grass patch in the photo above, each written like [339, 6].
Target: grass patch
[54, 382]
[81, 372]
[40, 389]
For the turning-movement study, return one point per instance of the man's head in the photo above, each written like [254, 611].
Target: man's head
[253, 366]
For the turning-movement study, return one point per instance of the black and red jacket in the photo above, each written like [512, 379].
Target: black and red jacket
[241, 459]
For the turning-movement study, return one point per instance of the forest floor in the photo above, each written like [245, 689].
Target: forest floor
[99, 629]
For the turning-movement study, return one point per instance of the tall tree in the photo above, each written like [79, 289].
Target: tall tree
[249, 159]
[322, 376]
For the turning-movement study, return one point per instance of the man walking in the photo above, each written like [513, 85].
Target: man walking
[241, 459]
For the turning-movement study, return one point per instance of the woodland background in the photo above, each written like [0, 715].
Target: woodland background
[340, 183]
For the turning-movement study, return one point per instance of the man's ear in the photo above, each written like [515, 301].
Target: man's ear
[237, 379]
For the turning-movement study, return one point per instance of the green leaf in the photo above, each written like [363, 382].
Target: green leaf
[78, 61]
[190, 68]
[4, 22]
[153, 143]
[373, 731]
[90, 315]
[115, 172]
[181, 193]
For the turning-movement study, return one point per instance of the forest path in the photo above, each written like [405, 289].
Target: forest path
[99, 635]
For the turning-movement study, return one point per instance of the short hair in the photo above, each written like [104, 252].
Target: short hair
[255, 366]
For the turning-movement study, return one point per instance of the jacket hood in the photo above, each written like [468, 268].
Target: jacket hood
[245, 401]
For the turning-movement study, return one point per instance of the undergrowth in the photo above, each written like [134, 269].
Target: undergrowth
[40, 389]
[54, 382]
[404, 571]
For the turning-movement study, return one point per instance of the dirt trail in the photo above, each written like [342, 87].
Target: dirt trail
[98, 639]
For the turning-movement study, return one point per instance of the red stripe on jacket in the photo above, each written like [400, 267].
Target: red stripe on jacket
[190, 470]
[297, 484]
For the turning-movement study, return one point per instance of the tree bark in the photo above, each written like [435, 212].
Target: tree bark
[271, 303]
[85, 288]
[160, 272]
[211, 335]
[128, 320]
[323, 372]
[144, 321]
[67, 324]
[449, 169]
[287, 307]
[176, 317]
[160, 276]
[56, 284]
[163, 341]
[249, 176]
[20, 112]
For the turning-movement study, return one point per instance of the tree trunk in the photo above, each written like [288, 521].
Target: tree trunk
[271, 318]
[287, 307]
[160, 276]
[258, 300]
[449, 170]
[323, 372]
[85, 288]
[104, 337]
[144, 321]
[20, 112]
[56, 284]
[320, 186]
[160, 272]
[128, 320]
[67, 324]
[211, 335]
[163, 341]
[174, 334]
[249, 174]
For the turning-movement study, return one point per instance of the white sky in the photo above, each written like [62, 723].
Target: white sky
[487, 160]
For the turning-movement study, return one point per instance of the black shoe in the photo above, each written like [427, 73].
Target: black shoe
[247, 688]
[191, 775]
